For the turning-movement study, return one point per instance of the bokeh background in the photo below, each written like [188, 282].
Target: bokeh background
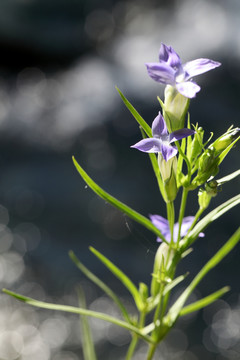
[60, 62]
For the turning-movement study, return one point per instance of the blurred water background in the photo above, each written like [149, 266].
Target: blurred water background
[60, 61]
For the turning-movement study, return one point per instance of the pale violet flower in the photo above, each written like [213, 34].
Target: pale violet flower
[163, 225]
[171, 71]
[162, 140]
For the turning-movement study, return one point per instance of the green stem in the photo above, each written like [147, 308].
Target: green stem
[135, 337]
[181, 213]
[171, 218]
[151, 351]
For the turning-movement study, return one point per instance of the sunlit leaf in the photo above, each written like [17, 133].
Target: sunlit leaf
[176, 308]
[100, 284]
[136, 115]
[121, 276]
[197, 305]
[118, 204]
[79, 311]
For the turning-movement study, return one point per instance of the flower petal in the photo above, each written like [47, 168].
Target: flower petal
[199, 66]
[149, 145]
[162, 73]
[168, 151]
[168, 55]
[186, 224]
[188, 88]
[159, 127]
[180, 134]
[162, 224]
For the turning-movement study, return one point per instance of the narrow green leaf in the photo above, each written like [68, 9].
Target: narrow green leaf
[100, 284]
[136, 115]
[228, 177]
[87, 341]
[118, 204]
[226, 151]
[174, 311]
[209, 218]
[174, 283]
[121, 276]
[204, 301]
[79, 311]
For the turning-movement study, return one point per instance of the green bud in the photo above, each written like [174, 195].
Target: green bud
[143, 290]
[211, 188]
[224, 141]
[208, 166]
[168, 170]
[160, 268]
[197, 144]
[175, 108]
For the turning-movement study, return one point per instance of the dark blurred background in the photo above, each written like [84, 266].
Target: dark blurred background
[60, 62]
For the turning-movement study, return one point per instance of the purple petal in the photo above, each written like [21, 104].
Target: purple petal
[180, 134]
[186, 224]
[199, 66]
[188, 88]
[159, 127]
[162, 225]
[168, 55]
[150, 145]
[168, 151]
[162, 73]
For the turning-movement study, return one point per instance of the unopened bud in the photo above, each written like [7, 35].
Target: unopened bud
[168, 170]
[197, 144]
[224, 141]
[162, 262]
[175, 108]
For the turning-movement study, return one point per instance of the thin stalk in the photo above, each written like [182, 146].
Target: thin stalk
[197, 216]
[151, 351]
[171, 218]
[181, 213]
[135, 337]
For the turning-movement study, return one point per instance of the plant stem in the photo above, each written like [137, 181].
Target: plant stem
[135, 337]
[151, 351]
[171, 218]
[182, 212]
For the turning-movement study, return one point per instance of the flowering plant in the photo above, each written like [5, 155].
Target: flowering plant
[181, 161]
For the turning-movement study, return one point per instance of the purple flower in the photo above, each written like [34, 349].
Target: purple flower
[161, 140]
[163, 225]
[171, 71]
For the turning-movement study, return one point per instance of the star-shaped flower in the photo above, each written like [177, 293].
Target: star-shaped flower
[171, 71]
[163, 225]
[162, 140]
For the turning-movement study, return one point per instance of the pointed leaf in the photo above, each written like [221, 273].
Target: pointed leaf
[121, 276]
[136, 115]
[197, 305]
[118, 204]
[176, 308]
[100, 284]
[80, 311]
[174, 283]
[209, 218]
[87, 341]
[228, 177]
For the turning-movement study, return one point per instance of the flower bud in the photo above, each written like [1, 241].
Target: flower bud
[168, 170]
[160, 267]
[224, 141]
[208, 166]
[175, 108]
[197, 144]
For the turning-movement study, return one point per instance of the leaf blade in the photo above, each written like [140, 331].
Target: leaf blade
[121, 276]
[118, 204]
[100, 284]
